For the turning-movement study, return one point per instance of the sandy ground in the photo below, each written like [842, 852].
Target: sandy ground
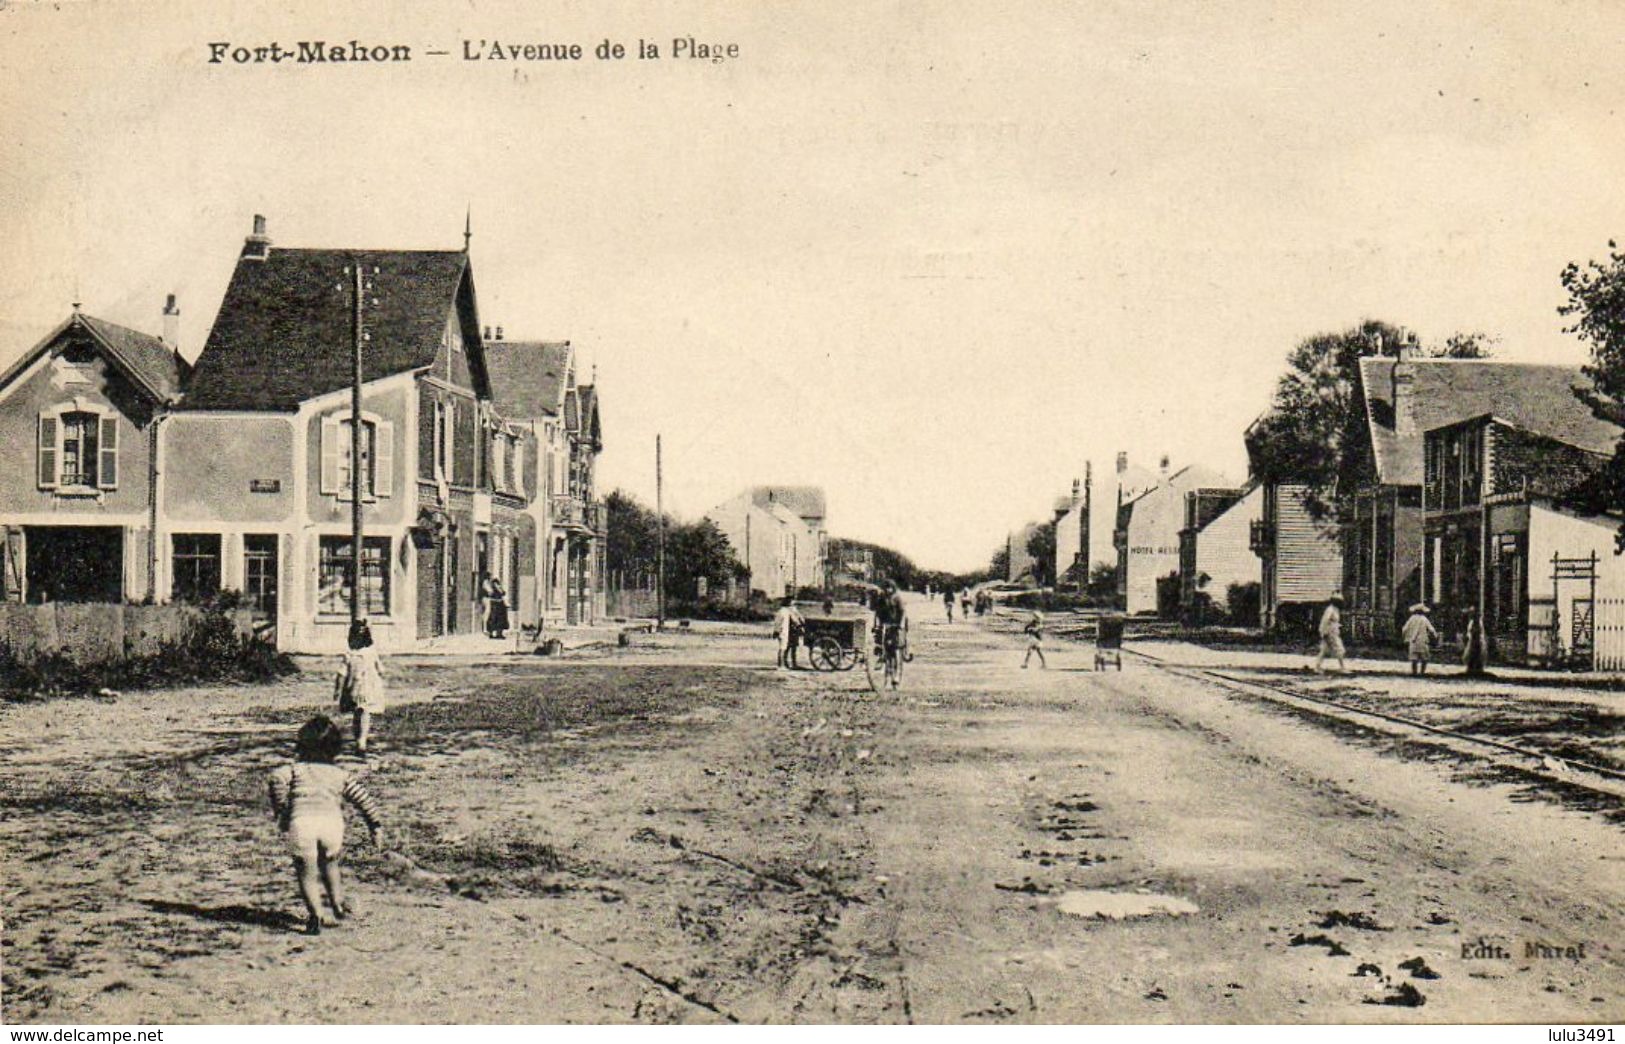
[674, 833]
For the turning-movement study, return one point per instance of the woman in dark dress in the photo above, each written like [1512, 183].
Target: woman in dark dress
[496, 618]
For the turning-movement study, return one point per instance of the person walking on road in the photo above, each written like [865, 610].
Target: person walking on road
[787, 625]
[1419, 637]
[1035, 641]
[1472, 651]
[948, 604]
[1331, 636]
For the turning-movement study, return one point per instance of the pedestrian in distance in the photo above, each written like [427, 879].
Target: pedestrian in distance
[964, 604]
[948, 604]
[1419, 635]
[788, 624]
[1331, 636]
[359, 685]
[307, 798]
[1035, 640]
[496, 609]
[1472, 649]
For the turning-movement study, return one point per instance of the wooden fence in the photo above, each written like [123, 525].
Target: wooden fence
[96, 632]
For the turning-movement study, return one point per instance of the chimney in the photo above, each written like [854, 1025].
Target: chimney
[1077, 492]
[487, 333]
[1403, 379]
[1122, 461]
[172, 323]
[499, 333]
[258, 244]
[1165, 466]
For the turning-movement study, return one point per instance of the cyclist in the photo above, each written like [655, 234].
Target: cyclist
[891, 623]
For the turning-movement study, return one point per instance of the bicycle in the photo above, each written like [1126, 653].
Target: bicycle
[892, 654]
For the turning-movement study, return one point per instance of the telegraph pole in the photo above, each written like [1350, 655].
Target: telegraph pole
[660, 552]
[355, 448]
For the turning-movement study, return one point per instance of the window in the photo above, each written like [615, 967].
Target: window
[78, 449]
[377, 456]
[334, 573]
[260, 573]
[499, 471]
[441, 427]
[517, 470]
[195, 566]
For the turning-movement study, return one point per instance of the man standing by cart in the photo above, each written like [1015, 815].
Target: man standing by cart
[788, 624]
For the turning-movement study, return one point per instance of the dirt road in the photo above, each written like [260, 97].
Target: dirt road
[676, 834]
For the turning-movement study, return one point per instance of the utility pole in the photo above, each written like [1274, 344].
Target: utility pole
[660, 547]
[748, 576]
[355, 447]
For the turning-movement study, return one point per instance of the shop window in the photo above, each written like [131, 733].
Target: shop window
[195, 566]
[334, 576]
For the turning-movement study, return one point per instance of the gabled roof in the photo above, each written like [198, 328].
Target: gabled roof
[151, 364]
[1536, 397]
[528, 377]
[284, 333]
[591, 427]
[805, 501]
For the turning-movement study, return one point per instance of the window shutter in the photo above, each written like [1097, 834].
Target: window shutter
[47, 452]
[518, 476]
[330, 454]
[426, 446]
[383, 459]
[451, 440]
[107, 472]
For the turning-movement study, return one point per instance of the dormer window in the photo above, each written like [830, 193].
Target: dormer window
[78, 450]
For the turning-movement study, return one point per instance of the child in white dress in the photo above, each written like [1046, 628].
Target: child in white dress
[359, 687]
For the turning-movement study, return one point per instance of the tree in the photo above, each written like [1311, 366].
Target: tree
[1041, 545]
[631, 540]
[999, 567]
[1466, 345]
[1596, 307]
[696, 550]
[1309, 430]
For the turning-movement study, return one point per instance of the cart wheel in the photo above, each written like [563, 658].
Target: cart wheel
[825, 654]
[849, 659]
[869, 671]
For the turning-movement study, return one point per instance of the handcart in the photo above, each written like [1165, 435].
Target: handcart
[1108, 642]
[840, 639]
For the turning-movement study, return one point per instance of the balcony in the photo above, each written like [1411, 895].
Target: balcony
[1261, 537]
[577, 513]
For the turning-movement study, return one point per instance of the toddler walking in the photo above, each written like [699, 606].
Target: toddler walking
[307, 797]
[359, 687]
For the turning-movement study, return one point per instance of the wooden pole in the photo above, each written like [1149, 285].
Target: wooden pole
[356, 527]
[660, 547]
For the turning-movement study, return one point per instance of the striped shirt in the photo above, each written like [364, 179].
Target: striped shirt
[316, 788]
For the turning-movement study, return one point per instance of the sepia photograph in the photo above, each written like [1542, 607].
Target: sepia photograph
[719, 512]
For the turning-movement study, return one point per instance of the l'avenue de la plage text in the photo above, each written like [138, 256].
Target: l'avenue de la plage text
[327, 52]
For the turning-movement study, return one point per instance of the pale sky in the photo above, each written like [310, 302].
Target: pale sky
[930, 256]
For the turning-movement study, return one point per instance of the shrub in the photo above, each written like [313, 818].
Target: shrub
[211, 649]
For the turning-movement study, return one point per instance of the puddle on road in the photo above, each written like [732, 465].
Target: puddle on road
[1117, 906]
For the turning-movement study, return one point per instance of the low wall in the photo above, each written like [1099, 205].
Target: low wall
[94, 632]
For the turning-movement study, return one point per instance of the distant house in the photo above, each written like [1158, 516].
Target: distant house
[1021, 560]
[257, 465]
[1147, 539]
[79, 410]
[1506, 535]
[781, 551]
[1102, 497]
[808, 504]
[1300, 559]
[537, 393]
[1071, 536]
[1215, 551]
[1380, 494]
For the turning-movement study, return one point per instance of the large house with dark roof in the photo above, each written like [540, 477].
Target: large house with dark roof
[256, 464]
[1380, 494]
[76, 506]
[1509, 531]
[536, 389]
